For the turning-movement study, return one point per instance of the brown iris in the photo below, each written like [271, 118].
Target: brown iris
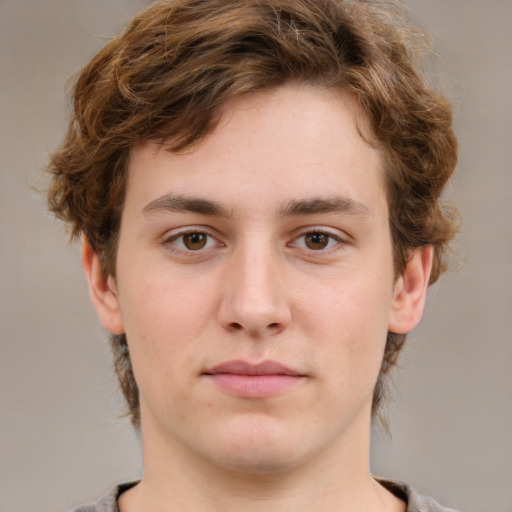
[194, 241]
[316, 241]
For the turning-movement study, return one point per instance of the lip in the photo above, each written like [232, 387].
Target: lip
[256, 381]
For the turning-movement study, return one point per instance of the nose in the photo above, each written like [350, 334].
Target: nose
[254, 298]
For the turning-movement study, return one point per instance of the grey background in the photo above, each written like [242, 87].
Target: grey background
[61, 440]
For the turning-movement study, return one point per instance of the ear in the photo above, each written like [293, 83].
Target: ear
[102, 290]
[410, 291]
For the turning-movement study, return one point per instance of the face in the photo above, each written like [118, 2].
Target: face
[255, 284]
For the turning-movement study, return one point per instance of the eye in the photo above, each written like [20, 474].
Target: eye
[191, 241]
[317, 240]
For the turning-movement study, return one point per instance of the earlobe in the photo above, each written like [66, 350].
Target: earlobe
[102, 290]
[410, 291]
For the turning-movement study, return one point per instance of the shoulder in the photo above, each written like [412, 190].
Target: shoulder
[415, 501]
[108, 502]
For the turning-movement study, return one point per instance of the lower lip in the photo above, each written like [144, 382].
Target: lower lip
[254, 386]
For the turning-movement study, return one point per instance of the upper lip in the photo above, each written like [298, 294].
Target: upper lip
[240, 367]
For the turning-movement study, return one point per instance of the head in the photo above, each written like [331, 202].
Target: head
[167, 77]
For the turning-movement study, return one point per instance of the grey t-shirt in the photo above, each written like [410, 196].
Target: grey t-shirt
[415, 502]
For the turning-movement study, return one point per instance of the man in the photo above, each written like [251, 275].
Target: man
[257, 187]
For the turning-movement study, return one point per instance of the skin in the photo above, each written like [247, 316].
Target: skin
[278, 278]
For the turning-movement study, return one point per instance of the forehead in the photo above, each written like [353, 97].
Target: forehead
[274, 145]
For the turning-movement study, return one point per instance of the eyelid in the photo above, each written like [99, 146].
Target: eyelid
[173, 235]
[342, 238]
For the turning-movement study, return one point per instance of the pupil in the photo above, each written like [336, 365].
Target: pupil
[317, 240]
[195, 241]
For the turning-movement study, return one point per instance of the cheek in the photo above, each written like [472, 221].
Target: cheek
[160, 300]
[350, 328]
[164, 319]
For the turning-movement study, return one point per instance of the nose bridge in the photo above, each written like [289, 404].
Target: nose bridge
[254, 298]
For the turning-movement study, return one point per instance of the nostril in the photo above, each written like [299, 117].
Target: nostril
[273, 327]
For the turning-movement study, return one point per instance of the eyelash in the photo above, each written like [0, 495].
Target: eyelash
[338, 240]
[171, 241]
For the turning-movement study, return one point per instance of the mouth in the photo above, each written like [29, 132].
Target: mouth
[253, 381]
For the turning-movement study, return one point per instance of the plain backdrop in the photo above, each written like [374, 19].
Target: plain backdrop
[62, 440]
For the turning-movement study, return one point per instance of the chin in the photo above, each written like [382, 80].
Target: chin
[259, 451]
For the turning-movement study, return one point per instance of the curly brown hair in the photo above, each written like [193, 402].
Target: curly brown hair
[165, 77]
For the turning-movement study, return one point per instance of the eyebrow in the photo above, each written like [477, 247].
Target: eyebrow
[294, 207]
[179, 203]
[318, 205]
